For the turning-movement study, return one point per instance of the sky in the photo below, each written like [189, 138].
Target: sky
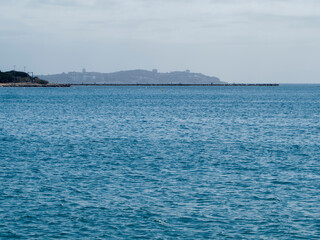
[239, 41]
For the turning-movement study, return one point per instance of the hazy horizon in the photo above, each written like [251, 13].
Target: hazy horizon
[240, 41]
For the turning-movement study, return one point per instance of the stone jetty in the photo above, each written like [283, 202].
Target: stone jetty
[33, 85]
[182, 84]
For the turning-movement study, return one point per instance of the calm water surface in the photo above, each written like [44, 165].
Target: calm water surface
[139, 162]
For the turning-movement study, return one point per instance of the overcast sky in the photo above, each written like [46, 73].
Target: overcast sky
[236, 40]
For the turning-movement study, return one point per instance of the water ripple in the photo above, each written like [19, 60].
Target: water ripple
[184, 163]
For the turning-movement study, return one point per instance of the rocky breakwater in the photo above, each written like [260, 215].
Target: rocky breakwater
[33, 85]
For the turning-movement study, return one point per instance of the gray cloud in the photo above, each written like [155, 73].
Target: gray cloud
[149, 32]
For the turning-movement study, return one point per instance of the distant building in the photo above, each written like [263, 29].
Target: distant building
[83, 70]
[155, 70]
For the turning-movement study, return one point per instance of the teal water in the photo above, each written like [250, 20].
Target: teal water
[138, 162]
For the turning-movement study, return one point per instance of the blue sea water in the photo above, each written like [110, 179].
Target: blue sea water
[139, 162]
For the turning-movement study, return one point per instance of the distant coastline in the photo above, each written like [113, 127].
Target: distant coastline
[123, 78]
[142, 85]
[186, 85]
[137, 76]
[33, 85]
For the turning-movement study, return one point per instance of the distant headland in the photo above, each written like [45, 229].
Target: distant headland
[123, 78]
[132, 77]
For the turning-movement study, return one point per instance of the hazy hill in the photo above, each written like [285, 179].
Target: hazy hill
[132, 77]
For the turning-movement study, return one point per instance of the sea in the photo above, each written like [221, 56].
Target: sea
[160, 162]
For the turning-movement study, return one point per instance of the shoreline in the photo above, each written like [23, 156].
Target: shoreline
[141, 85]
[180, 84]
[33, 85]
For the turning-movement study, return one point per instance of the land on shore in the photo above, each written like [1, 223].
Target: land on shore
[123, 78]
[22, 79]
[133, 85]
[132, 77]
[18, 77]
[33, 85]
[186, 85]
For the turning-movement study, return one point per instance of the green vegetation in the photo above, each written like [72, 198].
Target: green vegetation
[5, 78]
[40, 81]
[19, 77]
